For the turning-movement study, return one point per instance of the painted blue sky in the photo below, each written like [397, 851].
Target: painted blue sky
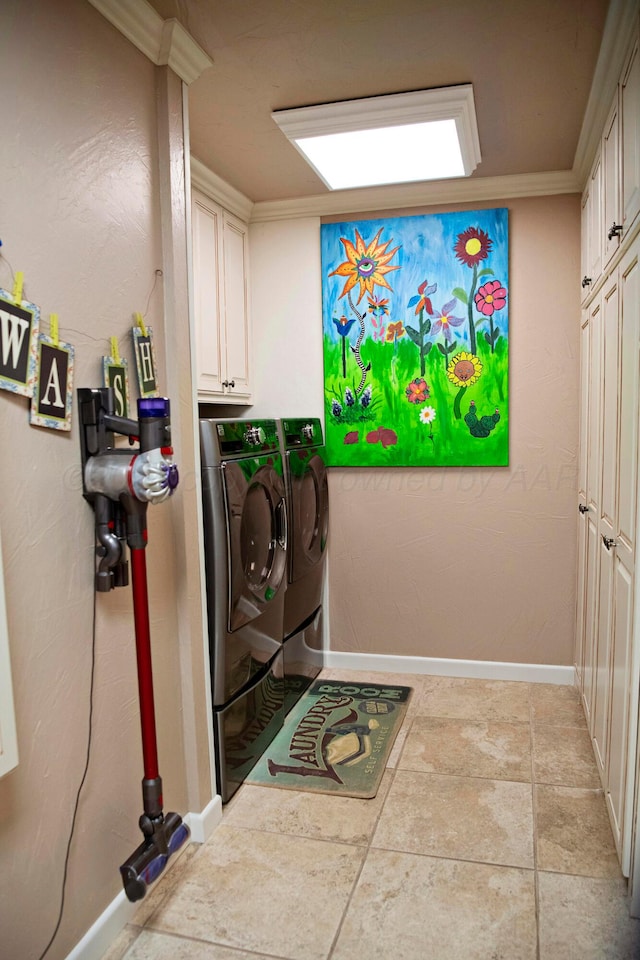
[426, 253]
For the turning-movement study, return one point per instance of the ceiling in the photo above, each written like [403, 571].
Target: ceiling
[531, 65]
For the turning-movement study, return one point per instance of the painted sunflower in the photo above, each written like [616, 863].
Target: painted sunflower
[464, 369]
[472, 246]
[365, 265]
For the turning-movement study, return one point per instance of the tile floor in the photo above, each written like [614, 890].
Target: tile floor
[488, 840]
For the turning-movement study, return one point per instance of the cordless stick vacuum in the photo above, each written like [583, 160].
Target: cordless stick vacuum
[119, 483]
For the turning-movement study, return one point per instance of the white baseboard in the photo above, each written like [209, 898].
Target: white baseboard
[121, 911]
[440, 667]
[203, 824]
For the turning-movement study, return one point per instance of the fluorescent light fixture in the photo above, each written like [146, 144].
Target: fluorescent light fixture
[399, 138]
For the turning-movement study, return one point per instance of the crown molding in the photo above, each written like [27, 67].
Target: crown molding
[209, 183]
[164, 42]
[464, 190]
[621, 27]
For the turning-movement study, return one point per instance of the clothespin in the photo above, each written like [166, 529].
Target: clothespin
[17, 287]
[115, 353]
[53, 328]
[140, 322]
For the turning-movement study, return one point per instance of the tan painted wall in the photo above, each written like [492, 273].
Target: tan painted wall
[82, 180]
[471, 564]
[479, 563]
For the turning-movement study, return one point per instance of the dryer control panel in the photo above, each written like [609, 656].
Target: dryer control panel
[302, 432]
[242, 437]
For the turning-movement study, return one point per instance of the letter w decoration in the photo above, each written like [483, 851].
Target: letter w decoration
[19, 324]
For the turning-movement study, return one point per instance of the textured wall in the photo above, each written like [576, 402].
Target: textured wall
[81, 216]
[472, 564]
[479, 563]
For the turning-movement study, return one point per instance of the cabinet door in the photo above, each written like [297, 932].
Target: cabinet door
[206, 232]
[611, 183]
[624, 667]
[630, 119]
[607, 518]
[579, 654]
[236, 307]
[592, 229]
[592, 500]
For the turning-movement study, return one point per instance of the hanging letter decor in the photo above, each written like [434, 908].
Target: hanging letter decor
[145, 362]
[19, 323]
[53, 394]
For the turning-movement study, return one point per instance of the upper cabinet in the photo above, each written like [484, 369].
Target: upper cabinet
[630, 141]
[611, 199]
[221, 310]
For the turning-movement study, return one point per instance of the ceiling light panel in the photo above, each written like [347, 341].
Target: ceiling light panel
[426, 135]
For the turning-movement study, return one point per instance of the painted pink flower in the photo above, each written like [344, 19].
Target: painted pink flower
[491, 296]
[417, 391]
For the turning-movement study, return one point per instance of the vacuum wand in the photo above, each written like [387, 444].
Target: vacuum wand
[120, 486]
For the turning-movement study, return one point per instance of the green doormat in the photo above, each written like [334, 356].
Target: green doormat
[335, 740]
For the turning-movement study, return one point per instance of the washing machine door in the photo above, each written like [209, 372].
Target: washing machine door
[309, 509]
[256, 521]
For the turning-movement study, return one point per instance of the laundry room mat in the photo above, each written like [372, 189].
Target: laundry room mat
[336, 739]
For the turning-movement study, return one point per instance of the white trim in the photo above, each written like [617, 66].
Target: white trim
[620, 27]
[440, 667]
[213, 186]
[162, 41]
[381, 198]
[121, 911]
[8, 734]
[398, 196]
[109, 924]
[203, 824]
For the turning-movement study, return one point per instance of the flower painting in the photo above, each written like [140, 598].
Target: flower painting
[416, 340]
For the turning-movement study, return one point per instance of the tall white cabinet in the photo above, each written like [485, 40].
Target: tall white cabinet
[608, 616]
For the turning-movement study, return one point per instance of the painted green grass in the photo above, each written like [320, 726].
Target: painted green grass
[447, 441]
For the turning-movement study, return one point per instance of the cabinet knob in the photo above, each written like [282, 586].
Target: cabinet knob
[583, 508]
[615, 230]
[228, 383]
[586, 281]
[609, 542]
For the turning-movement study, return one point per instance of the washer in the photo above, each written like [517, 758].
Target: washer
[307, 493]
[245, 536]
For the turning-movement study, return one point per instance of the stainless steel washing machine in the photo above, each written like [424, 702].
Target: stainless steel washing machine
[245, 535]
[307, 493]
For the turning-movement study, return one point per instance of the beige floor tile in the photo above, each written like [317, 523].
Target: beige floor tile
[474, 699]
[340, 819]
[399, 742]
[122, 943]
[460, 818]
[263, 892]
[564, 756]
[411, 907]
[557, 704]
[573, 832]
[498, 751]
[586, 919]
[163, 946]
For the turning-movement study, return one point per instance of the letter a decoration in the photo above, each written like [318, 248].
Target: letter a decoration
[145, 362]
[19, 323]
[53, 394]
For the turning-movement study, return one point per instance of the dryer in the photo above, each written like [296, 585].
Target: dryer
[307, 494]
[245, 538]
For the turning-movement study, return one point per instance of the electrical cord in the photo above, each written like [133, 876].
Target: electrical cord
[82, 781]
